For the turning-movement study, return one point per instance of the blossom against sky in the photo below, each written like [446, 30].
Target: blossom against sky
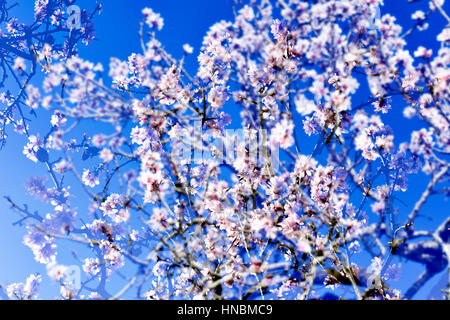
[333, 95]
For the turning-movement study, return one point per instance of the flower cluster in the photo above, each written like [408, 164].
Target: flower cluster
[283, 223]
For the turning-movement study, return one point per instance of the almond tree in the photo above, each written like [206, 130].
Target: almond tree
[183, 206]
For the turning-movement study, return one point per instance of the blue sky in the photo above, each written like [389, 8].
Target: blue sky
[184, 22]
